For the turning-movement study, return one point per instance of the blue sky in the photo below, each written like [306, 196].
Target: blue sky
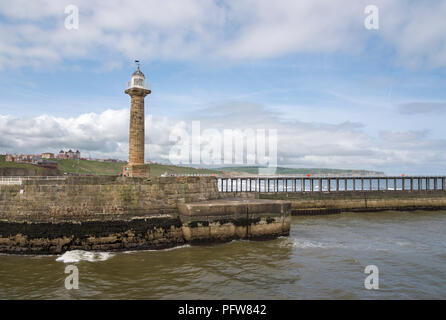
[339, 95]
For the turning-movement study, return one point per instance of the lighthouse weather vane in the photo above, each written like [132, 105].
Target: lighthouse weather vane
[137, 63]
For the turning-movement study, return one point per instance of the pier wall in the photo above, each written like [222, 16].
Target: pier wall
[122, 213]
[336, 202]
[100, 198]
[28, 171]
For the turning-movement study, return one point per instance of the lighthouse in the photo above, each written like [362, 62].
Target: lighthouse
[137, 88]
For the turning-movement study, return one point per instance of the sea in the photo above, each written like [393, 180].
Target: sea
[368, 255]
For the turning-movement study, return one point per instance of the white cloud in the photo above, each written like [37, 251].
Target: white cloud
[33, 32]
[301, 144]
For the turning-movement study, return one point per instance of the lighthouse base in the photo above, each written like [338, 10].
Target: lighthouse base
[136, 170]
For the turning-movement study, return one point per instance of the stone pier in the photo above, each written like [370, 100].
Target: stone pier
[122, 213]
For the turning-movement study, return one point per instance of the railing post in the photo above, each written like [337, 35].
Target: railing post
[328, 185]
[411, 184]
[293, 187]
[320, 185]
[370, 184]
[443, 184]
[302, 184]
[394, 184]
[403, 184]
[387, 184]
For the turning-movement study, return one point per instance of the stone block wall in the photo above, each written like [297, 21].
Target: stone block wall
[363, 201]
[101, 198]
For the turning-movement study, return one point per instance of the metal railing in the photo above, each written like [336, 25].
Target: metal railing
[19, 180]
[129, 85]
[329, 184]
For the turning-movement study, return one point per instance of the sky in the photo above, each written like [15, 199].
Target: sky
[340, 95]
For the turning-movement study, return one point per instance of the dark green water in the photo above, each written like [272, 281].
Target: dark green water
[324, 258]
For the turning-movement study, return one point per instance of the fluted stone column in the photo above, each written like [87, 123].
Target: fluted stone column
[136, 166]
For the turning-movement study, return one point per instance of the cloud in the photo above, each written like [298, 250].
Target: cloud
[300, 144]
[98, 135]
[414, 108]
[32, 33]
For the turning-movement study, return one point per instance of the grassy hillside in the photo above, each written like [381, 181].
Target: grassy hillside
[29, 167]
[312, 171]
[84, 167]
[4, 164]
[114, 168]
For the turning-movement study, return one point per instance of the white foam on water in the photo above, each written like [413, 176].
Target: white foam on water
[307, 244]
[158, 250]
[81, 255]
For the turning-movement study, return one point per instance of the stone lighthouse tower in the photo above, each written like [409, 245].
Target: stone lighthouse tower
[137, 89]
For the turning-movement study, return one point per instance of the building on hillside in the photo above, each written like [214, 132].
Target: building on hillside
[21, 158]
[47, 155]
[70, 154]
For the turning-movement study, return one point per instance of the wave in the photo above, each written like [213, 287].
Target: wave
[306, 244]
[158, 250]
[81, 255]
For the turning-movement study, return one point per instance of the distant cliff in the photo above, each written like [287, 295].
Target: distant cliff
[243, 170]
